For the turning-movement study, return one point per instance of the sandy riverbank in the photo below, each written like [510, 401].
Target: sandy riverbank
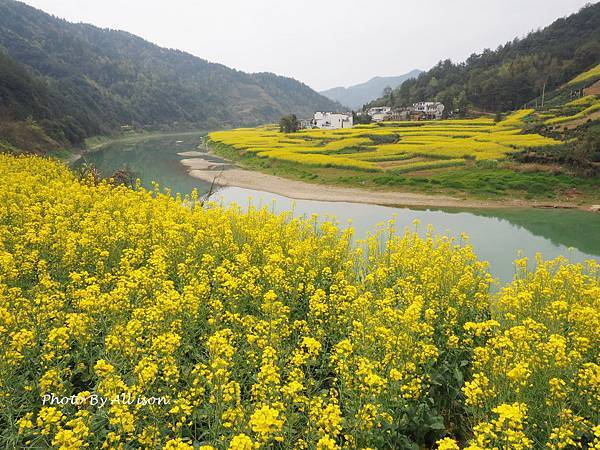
[230, 175]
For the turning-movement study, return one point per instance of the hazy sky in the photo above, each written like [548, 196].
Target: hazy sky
[322, 43]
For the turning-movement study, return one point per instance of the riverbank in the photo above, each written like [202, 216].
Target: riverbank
[230, 174]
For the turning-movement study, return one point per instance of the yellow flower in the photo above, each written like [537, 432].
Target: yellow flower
[25, 423]
[265, 421]
[327, 443]
[48, 419]
[67, 440]
[520, 373]
[242, 442]
[103, 368]
[177, 444]
[447, 444]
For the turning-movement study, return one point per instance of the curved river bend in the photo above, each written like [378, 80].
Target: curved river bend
[498, 236]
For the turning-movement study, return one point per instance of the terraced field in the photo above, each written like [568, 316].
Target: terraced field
[589, 76]
[576, 111]
[398, 147]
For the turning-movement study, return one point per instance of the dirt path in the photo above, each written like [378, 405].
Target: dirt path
[227, 175]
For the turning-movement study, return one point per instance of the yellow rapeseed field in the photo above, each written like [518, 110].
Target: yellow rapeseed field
[364, 146]
[590, 106]
[135, 319]
[590, 75]
[582, 101]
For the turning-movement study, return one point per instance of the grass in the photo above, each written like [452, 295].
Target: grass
[494, 183]
[7, 147]
[500, 181]
[61, 154]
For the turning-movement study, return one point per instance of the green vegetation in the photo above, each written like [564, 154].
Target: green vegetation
[503, 180]
[579, 115]
[363, 119]
[573, 121]
[27, 134]
[288, 124]
[515, 73]
[580, 151]
[77, 81]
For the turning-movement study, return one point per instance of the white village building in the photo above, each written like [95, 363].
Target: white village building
[431, 110]
[331, 121]
[379, 113]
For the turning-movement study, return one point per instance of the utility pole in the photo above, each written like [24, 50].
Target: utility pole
[543, 93]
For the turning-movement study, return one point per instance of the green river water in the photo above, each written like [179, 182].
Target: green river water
[498, 236]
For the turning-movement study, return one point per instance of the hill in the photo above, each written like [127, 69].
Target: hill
[356, 96]
[78, 80]
[508, 77]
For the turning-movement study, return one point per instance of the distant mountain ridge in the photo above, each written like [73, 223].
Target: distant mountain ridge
[77, 80]
[358, 95]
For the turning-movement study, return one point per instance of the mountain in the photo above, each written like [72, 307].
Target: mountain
[359, 94]
[77, 80]
[508, 77]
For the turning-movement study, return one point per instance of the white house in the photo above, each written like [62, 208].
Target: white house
[331, 121]
[305, 123]
[379, 113]
[431, 110]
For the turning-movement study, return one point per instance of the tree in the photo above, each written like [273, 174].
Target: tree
[364, 118]
[459, 103]
[288, 124]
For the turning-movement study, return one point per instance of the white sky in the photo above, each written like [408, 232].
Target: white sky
[322, 43]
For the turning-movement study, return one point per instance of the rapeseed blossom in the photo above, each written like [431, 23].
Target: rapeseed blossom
[262, 330]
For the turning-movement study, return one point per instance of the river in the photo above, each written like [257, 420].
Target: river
[498, 236]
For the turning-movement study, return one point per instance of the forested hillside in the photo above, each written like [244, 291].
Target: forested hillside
[506, 78]
[77, 80]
